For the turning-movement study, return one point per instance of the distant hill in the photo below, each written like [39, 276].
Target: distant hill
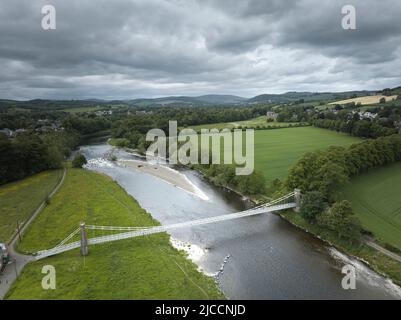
[205, 99]
[221, 99]
[307, 96]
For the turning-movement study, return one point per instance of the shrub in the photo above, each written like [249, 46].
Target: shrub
[79, 161]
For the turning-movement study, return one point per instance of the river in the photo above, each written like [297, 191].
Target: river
[265, 256]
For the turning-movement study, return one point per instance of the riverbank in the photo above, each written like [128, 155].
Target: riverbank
[138, 268]
[374, 259]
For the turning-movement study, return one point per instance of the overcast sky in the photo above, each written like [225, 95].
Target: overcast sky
[123, 49]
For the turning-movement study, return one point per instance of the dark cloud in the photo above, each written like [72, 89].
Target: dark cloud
[142, 48]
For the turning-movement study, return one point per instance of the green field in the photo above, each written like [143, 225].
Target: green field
[259, 121]
[277, 150]
[139, 268]
[375, 198]
[20, 199]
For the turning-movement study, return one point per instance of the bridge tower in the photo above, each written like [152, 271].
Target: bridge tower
[84, 240]
[297, 199]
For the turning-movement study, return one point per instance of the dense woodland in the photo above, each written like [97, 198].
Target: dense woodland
[45, 141]
[29, 153]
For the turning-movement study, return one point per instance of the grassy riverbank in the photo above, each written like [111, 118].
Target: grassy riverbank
[139, 268]
[376, 260]
[20, 199]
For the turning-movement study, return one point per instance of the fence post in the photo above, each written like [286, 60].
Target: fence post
[297, 198]
[84, 240]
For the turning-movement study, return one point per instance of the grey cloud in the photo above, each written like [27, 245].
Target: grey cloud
[139, 48]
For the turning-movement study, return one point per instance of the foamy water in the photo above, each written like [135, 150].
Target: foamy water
[194, 253]
[364, 273]
[98, 163]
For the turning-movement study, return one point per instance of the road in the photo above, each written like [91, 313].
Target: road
[19, 260]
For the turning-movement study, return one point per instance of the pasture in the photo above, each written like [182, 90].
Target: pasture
[20, 199]
[375, 198]
[277, 150]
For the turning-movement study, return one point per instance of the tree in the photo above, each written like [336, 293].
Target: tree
[312, 205]
[382, 100]
[340, 219]
[331, 176]
[251, 184]
[79, 161]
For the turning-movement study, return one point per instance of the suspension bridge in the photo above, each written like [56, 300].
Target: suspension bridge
[291, 200]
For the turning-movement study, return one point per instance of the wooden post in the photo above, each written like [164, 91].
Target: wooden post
[297, 198]
[84, 240]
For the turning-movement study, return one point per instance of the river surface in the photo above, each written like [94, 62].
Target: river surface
[265, 256]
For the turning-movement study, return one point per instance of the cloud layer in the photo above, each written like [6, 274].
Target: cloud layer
[147, 48]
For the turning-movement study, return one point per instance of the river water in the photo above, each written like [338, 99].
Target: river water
[264, 257]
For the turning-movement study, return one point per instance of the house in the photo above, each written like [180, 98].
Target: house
[367, 115]
[271, 115]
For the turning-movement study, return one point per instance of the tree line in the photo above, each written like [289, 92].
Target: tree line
[326, 170]
[320, 175]
[358, 128]
[224, 176]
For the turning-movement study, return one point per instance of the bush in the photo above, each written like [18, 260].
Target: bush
[79, 161]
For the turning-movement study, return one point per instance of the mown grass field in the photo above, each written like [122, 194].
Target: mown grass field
[259, 121]
[366, 100]
[140, 268]
[21, 198]
[376, 200]
[277, 150]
